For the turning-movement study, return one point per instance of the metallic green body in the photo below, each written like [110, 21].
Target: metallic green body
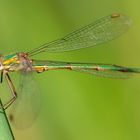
[21, 62]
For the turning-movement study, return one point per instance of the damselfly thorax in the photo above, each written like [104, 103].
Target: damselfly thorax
[16, 62]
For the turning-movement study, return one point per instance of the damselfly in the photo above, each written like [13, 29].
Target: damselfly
[103, 30]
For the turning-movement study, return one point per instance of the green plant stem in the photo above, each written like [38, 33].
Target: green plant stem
[5, 129]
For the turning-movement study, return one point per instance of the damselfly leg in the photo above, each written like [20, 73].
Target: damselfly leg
[12, 89]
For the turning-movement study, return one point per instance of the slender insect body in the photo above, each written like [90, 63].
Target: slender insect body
[101, 31]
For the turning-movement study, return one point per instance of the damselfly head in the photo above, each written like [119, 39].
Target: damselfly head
[22, 54]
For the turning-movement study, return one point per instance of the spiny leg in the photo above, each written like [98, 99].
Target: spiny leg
[13, 91]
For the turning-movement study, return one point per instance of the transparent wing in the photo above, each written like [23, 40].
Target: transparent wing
[104, 29]
[27, 105]
[107, 73]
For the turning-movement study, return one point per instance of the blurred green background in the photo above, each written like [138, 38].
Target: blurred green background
[76, 106]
